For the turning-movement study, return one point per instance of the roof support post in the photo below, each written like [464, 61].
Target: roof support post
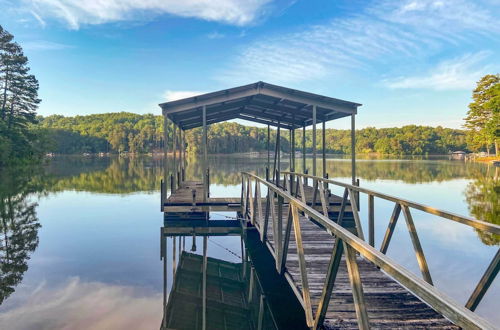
[314, 141]
[278, 146]
[181, 160]
[174, 149]
[205, 153]
[323, 147]
[165, 159]
[292, 163]
[353, 148]
[268, 151]
[304, 149]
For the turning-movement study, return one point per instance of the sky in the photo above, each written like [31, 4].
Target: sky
[406, 61]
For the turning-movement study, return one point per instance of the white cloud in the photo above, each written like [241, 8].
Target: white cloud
[456, 74]
[80, 305]
[38, 18]
[178, 95]
[77, 12]
[383, 33]
[215, 35]
[43, 45]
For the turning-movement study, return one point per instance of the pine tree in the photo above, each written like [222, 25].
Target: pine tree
[18, 100]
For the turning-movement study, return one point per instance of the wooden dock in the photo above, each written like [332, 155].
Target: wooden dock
[319, 248]
[188, 201]
[389, 304]
[339, 278]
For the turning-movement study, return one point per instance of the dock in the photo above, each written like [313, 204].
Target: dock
[312, 239]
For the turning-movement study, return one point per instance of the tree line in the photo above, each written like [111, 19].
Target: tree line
[128, 132]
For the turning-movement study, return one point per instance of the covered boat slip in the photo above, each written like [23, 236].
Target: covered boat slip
[314, 238]
[263, 103]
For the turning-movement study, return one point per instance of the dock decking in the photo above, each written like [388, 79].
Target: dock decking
[389, 304]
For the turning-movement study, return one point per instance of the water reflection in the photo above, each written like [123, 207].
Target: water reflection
[80, 305]
[483, 196]
[114, 205]
[18, 226]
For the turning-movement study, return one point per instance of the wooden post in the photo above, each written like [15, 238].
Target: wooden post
[292, 164]
[174, 148]
[371, 220]
[165, 159]
[181, 160]
[314, 141]
[205, 153]
[204, 284]
[278, 143]
[353, 149]
[304, 148]
[323, 143]
[268, 151]
[165, 269]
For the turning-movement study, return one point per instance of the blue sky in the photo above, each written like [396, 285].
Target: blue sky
[407, 61]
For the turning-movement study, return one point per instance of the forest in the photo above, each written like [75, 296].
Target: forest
[134, 133]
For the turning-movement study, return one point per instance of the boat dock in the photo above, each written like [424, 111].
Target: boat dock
[314, 239]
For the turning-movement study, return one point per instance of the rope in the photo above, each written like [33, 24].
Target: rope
[228, 216]
[225, 248]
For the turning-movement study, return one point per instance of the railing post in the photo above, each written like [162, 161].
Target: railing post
[371, 220]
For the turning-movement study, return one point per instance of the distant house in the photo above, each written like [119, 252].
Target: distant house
[458, 155]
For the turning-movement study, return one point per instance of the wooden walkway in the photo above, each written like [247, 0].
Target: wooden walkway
[339, 278]
[389, 304]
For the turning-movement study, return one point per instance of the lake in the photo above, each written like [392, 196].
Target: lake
[81, 245]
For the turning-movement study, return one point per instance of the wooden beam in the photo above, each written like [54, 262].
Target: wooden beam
[485, 282]
[357, 287]
[262, 121]
[419, 252]
[331, 275]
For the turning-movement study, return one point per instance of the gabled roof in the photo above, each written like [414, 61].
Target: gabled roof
[259, 102]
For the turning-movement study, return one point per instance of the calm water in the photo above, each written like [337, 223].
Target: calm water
[81, 246]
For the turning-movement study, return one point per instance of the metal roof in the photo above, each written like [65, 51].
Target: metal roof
[258, 102]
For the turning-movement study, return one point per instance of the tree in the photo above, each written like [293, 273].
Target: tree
[483, 118]
[18, 100]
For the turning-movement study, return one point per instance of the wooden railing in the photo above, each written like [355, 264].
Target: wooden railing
[350, 244]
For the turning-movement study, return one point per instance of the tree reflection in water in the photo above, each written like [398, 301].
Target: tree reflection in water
[483, 197]
[18, 226]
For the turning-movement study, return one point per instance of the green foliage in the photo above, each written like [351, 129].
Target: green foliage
[18, 104]
[127, 132]
[483, 118]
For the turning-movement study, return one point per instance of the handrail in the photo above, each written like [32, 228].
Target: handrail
[349, 242]
[478, 224]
